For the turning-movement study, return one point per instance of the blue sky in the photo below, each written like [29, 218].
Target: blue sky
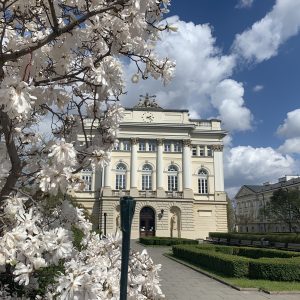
[238, 60]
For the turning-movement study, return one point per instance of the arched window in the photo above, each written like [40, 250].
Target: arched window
[202, 182]
[172, 178]
[120, 177]
[86, 176]
[147, 177]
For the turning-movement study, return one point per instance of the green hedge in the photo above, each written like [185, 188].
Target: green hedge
[278, 269]
[249, 251]
[272, 237]
[234, 266]
[254, 263]
[166, 241]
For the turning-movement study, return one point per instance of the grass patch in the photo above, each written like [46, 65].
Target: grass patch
[244, 283]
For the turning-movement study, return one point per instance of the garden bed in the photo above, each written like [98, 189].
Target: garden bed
[166, 241]
[239, 262]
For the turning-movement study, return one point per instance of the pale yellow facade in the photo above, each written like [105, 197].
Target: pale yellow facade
[173, 167]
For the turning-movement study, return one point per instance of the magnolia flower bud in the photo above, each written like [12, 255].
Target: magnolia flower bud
[135, 78]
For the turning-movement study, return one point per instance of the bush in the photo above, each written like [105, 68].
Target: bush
[230, 265]
[275, 269]
[271, 237]
[166, 241]
[249, 251]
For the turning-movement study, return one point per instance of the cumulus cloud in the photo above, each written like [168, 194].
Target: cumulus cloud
[249, 165]
[244, 3]
[262, 41]
[258, 88]
[200, 68]
[228, 99]
[290, 146]
[291, 125]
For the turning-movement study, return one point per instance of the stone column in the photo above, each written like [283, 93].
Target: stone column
[133, 168]
[218, 172]
[108, 183]
[160, 192]
[186, 170]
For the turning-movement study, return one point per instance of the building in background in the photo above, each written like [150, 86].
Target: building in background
[251, 200]
[172, 166]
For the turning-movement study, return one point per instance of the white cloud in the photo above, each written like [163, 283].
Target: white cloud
[249, 165]
[290, 146]
[258, 88]
[200, 68]
[291, 125]
[244, 3]
[262, 41]
[228, 98]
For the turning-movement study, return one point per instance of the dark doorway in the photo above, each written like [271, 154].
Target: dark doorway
[147, 222]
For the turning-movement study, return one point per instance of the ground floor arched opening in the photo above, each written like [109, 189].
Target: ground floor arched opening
[147, 221]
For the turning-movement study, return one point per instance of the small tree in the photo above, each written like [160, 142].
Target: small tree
[231, 217]
[61, 62]
[284, 207]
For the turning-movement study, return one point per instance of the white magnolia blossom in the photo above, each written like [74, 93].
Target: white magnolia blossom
[33, 243]
[61, 76]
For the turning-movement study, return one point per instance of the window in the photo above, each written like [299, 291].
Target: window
[120, 177]
[87, 178]
[147, 177]
[194, 150]
[172, 178]
[126, 146]
[177, 147]
[209, 151]
[202, 151]
[142, 146]
[117, 147]
[152, 146]
[202, 182]
[167, 147]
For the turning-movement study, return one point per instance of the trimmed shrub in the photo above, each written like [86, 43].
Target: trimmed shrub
[230, 265]
[271, 237]
[166, 241]
[275, 269]
[249, 252]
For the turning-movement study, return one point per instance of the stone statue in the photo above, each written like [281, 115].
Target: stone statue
[174, 225]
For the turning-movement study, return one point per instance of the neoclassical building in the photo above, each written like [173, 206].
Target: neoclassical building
[252, 199]
[172, 165]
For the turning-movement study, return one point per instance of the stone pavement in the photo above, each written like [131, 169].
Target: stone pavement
[179, 282]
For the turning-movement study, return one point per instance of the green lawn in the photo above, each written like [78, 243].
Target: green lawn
[266, 285]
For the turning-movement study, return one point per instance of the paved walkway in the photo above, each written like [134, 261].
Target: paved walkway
[182, 283]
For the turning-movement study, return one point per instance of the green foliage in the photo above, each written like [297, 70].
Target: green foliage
[46, 276]
[230, 265]
[275, 269]
[284, 206]
[165, 241]
[271, 237]
[250, 252]
[231, 219]
[233, 261]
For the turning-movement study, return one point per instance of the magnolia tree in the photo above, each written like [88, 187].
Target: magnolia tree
[61, 64]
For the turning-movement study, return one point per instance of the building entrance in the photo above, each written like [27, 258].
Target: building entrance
[147, 222]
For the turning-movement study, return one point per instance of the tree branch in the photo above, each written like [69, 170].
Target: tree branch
[55, 34]
[16, 163]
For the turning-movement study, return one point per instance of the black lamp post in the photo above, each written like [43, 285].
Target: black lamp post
[127, 207]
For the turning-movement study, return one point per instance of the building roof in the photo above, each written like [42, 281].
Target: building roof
[273, 186]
